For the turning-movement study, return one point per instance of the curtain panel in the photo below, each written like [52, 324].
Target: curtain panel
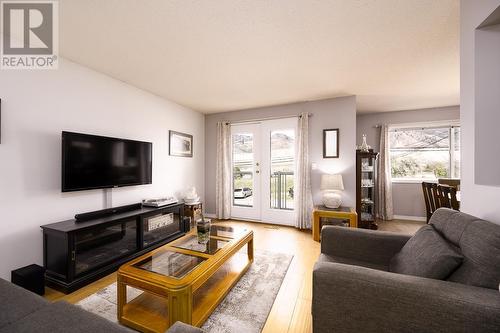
[384, 182]
[223, 172]
[303, 193]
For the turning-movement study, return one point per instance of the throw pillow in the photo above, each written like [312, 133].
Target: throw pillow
[426, 254]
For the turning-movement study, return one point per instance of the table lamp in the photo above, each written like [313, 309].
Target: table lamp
[331, 185]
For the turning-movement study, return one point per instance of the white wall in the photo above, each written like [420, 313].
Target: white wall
[478, 200]
[36, 107]
[407, 197]
[330, 113]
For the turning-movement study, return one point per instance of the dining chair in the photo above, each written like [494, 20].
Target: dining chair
[430, 196]
[447, 197]
[455, 182]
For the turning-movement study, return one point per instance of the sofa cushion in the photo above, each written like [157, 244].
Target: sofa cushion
[63, 317]
[17, 303]
[479, 243]
[426, 254]
[339, 260]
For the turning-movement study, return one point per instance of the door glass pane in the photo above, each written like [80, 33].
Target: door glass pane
[367, 189]
[97, 247]
[158, 227]
[243, 169]
[282, 169]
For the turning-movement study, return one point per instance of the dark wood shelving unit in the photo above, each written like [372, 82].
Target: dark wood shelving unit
[366, 189]
[77, 252]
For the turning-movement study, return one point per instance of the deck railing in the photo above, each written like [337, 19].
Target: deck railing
[282, 190]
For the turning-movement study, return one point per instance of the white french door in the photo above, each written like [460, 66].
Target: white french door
[263, 166]
[246, 185]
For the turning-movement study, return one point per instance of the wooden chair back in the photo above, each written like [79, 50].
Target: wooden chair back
[450, 182]
[430, 196]
[447, 197]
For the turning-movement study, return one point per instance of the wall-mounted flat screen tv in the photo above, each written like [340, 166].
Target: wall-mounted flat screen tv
[93, 162]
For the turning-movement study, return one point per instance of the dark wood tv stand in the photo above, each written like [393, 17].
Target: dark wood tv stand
[79, 251]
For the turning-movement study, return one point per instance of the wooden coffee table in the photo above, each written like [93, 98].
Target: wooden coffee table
[183, 280]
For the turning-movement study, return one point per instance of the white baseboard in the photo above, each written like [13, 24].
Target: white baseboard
[212, 216]
[411, 218]
[397, 217]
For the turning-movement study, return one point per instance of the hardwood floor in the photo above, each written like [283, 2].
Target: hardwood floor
[291, 311]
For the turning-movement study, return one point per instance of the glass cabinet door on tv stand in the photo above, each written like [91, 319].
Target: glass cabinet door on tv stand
[366, 188]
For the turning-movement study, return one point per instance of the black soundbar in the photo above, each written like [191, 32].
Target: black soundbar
[106, 212]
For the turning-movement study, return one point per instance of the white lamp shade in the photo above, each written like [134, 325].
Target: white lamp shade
[332, 182]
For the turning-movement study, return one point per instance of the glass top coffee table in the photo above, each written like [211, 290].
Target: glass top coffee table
[183, 280]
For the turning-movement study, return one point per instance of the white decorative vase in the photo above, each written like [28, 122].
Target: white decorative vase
[364, 146]
[332, 199]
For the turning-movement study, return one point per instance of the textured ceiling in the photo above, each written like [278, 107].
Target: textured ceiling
[233, 54]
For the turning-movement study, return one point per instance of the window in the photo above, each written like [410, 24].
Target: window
[425, 153]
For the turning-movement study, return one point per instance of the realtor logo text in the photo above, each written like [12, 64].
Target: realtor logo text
[30, 35]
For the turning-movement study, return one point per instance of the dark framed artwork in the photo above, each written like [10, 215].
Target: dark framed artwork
[331, 143]
[180, 144]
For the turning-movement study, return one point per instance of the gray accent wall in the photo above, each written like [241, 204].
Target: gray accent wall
[478, 200]
[330, 113]
[407, 197]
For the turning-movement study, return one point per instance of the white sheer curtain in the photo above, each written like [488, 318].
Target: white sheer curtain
[384, 182]
[223, 172]
[303, 194]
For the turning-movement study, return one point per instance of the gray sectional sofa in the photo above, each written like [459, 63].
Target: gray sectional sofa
[354, 291]
[24, 312]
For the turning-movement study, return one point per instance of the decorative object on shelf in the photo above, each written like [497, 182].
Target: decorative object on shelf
[331, 143]
[331, 185]
[191, 197]
[364, 147]
[366, 183]
[180, 144]
[203, 230]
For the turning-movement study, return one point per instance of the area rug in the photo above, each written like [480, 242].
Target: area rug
[245, 308]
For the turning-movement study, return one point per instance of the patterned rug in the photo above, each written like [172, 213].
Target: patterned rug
[245, 308]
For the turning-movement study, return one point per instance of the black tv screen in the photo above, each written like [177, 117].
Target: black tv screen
[92, 162]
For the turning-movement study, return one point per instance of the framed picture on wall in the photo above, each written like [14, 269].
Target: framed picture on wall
[331, 143]
[180, 144]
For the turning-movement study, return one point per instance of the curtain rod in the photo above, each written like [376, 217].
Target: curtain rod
[268, 118]
[417, 127]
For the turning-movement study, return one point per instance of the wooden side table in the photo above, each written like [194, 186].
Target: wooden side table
[194, 211]
[347, 213]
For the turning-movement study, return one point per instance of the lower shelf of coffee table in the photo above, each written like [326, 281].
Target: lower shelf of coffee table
[149, 310]
[209, 295]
